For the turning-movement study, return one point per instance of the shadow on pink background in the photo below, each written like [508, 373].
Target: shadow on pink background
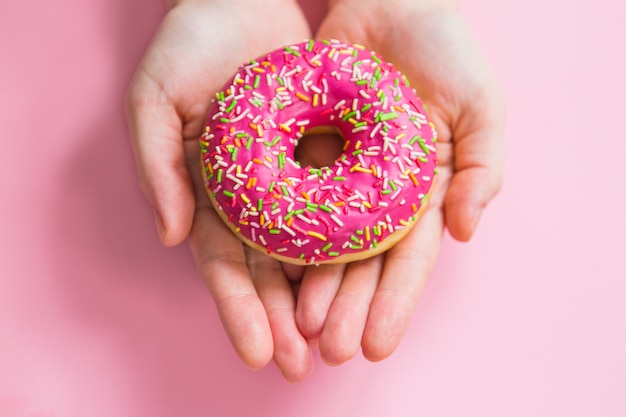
[97, 319]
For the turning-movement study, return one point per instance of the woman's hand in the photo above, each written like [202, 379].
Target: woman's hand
[369, 304]
[198, 47]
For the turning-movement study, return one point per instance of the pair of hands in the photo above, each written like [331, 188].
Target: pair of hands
[278, 311]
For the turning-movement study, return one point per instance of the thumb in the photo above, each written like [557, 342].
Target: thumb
[478, 165]
[157, 141]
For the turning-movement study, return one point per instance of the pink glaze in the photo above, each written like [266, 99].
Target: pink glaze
[373, 189]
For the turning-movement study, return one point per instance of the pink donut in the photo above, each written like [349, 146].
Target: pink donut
[353, 209]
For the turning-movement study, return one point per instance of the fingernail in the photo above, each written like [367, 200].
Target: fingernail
[159, 224]
[475, 220]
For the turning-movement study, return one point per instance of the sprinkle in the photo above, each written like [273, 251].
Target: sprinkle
[317, 235]
[232, 105]
[289, 230]
[359, 168]
[336, 220]
[349, 116]
[234, 179]
[302, 96]
[293, 52]
[414, 139]
[388, 116]
[375, 130]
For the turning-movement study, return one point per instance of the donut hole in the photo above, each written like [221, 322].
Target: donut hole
[319, 147]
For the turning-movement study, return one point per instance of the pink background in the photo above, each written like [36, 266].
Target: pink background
[97, 319]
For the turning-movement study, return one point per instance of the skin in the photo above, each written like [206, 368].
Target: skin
[278, 311]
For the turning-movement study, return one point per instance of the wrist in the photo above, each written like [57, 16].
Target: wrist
[173, 3]
[449, 5]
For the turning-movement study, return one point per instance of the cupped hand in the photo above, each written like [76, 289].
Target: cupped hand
[368, 304]
[198, 47]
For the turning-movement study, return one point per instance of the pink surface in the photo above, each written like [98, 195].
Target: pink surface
[96, 319]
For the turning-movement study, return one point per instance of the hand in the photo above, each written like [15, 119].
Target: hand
[369, 304]
[198, 47]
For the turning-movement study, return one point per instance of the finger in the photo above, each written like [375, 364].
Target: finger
[316, 294]
[343, 331]
[407, 267]
[291, 351]
[293, 273]
[156, 135]
[479, 150]
[221, 261]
